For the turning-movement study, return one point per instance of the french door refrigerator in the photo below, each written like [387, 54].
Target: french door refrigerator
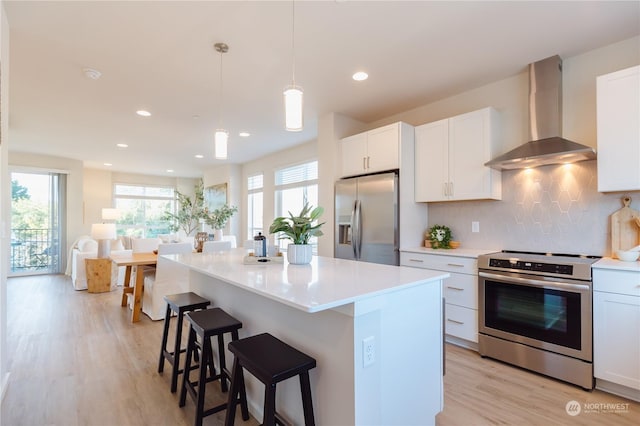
[367, 219]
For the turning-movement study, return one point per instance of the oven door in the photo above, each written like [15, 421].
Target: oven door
[545, 313]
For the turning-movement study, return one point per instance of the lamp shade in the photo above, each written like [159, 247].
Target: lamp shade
[221, 138]
[293, 108]
[103, 231]
[110, 214]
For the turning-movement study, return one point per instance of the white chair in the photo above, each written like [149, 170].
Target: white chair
[88, 249]
[214, 246]
[174, 248]
[231, 238]
[145, 245]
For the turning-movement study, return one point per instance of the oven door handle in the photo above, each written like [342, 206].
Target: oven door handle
[536, 283]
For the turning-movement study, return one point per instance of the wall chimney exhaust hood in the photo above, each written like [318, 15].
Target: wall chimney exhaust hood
[545, 124]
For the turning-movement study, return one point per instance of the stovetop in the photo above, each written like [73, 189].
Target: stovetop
[573, 266]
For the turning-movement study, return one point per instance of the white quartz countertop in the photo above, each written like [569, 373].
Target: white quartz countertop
[324, 284]
[459, 252]
[609, 263]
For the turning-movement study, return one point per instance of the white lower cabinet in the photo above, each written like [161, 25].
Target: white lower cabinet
[460, 291]
[616, 330]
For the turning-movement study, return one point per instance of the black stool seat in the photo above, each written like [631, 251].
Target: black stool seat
[179, 304]
[203, 326]
[271, 361]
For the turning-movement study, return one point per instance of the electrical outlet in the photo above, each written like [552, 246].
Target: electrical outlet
[368, 351]
[475, 226]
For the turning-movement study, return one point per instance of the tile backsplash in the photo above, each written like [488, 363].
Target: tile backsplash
[553, 208]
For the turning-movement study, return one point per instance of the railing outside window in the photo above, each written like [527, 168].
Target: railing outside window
[33, 250]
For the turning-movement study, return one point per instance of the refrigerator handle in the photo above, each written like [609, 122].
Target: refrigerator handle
[354, 229]
[358, 238]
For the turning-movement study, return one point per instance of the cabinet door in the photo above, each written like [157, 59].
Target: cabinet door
[469, 148]
[618, 118]
[354, 153]
[616, 338]
[383, 146]
[432, 157]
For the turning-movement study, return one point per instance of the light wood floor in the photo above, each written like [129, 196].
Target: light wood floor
[75, 359]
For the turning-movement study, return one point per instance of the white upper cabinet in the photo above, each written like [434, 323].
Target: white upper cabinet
[618, 110]
[450, 157]
[373, 151]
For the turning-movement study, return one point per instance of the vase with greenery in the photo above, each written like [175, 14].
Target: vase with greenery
[299, 229]
[218, 218]
[189, 212]
[439, 236]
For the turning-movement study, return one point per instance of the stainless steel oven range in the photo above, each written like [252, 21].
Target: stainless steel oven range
[535, 311]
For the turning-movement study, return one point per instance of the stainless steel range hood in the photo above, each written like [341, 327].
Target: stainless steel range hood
[545, 124]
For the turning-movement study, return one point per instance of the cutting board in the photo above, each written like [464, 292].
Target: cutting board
[624, 230]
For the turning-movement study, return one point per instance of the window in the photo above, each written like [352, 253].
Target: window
[142, 209]
[254, 205]
[295, 186]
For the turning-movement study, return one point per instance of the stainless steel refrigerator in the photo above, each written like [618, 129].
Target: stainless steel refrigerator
[367, 219]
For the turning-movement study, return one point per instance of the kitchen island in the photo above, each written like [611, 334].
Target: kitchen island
[332, 309]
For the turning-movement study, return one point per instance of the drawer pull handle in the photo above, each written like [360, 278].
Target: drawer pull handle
[416, 260]
[455, 288]
[457, 265]
[454, 321]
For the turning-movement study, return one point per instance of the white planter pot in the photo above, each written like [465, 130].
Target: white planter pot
[217, 234]
[299, 254]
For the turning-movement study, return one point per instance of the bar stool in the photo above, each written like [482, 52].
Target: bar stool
[205, 325]
[271, 361]
[178, 303]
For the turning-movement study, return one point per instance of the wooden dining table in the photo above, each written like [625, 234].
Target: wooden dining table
[139, 260]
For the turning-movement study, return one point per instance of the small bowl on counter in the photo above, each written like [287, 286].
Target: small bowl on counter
[627, 255]
[454, 244]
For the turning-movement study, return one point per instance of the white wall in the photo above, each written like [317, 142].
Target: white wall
[5, 195]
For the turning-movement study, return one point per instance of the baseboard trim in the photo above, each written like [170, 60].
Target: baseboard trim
[616, 389]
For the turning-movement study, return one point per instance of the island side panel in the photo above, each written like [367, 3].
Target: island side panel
[404, 384]
[327, 336]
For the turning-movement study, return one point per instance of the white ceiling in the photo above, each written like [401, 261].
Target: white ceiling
[159, 56]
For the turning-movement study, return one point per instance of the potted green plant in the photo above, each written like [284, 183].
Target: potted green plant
[189, 212]
[299, 229]
[218, 218]
[439, 236]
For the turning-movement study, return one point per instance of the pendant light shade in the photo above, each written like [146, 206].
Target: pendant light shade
[293, 96]
[293, 108]
[221, 138]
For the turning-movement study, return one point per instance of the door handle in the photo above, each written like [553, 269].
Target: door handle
[364, 163]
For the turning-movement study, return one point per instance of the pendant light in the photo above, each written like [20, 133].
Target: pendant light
[221, 135]
[293, 94]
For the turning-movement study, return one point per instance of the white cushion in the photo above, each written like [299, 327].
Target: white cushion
[117, 245]
[88, 246]
[213, 246]
[145, 245]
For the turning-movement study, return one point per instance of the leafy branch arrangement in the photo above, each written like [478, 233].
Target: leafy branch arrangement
[217, 219]
[299, 229]
[440, 236]
[189, 211]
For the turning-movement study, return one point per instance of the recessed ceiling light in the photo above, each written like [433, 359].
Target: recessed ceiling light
[107, 164]
[199, 156]
[122, 145]
[244, 134]
[91, 73]
[360, 76]
[169, 170]
[143, 113]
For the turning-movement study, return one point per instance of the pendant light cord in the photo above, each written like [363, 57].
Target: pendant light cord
[293, 43]
[221, 98]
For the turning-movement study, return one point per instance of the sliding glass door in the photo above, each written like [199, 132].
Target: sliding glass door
[37, 218]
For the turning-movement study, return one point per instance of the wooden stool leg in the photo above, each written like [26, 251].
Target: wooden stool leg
[165, 334]
[223, 364]
[187, 367]
[202, 380]
[307, 404]
[244, 408]
[176, 354]
[237, 380]
[269, 417]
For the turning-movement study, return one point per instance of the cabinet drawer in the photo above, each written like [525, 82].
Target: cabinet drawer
[461, 322]
[463, 265]
[461, 290]
[613, 281]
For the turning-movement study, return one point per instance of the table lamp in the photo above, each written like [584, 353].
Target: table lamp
[103, 233]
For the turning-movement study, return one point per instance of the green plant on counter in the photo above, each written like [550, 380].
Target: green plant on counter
[299, 229]
[440, 236]
[217, 219]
